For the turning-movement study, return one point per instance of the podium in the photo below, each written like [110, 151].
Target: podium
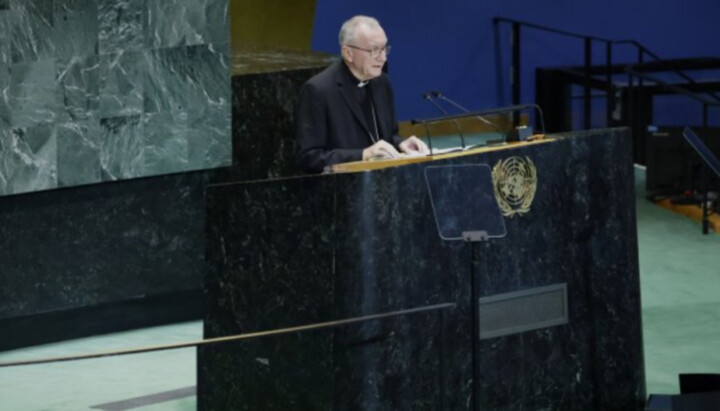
[559, 299]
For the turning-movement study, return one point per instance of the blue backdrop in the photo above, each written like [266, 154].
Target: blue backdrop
[452, 45]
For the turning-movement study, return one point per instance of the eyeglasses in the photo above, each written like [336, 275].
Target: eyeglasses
[374, 53]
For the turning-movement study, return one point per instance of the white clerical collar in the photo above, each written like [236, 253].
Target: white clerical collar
[362, 84]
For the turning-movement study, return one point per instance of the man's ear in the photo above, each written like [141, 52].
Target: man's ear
[347, 54]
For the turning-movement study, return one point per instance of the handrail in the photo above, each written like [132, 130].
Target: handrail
[644, 50]
[236, 337]
[578, 35]
[550, 29]
[674, 87]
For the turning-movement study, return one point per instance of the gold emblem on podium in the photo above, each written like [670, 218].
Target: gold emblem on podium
[515, 183]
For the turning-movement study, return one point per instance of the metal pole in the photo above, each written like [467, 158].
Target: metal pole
[641, 122]
[515, 70]
[705, 222]
[610, 94]
[586, 98]
[475, 328]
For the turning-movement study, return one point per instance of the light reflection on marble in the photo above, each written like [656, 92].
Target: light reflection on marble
[251, 60]
[31, 30]
[130, 87]
[207, 139]
[32, 93]
[167, 80]
[121, 87]
[4, 97]
[166, 145]
[78, 86]
[172, 23]
[78, 156]
[28, 159]
[218, 21]
[75, 28]
[4, 33]
[122, 148]
[120, 25]
[210, 75]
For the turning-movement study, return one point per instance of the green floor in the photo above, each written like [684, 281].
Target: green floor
[680, 282]
[681, 321]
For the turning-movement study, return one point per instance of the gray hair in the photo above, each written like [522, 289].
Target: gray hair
[349, 28]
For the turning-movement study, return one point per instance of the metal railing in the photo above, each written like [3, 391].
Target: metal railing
[642, 53]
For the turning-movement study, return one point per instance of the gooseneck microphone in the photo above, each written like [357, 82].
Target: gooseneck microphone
[427, 97]
[457, 105]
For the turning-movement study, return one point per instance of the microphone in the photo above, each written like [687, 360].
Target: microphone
[427, 97]
[439, 95]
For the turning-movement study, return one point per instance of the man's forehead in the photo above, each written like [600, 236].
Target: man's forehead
[371, 34]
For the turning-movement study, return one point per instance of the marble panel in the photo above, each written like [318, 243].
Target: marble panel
[218, 22]
[85, 247]
[33, 96]
[120, 84]
[4, 34]
[172, 23]
[28, 159]
[166, 143]
[7, 163]
[289, 295]
[78, 81]
[166, 85]
[120, 25]
[395, 242]
[384, 253]
[209, 141]
[76, 28]
[122, 148]
[5, 112]
[79, 147]
[175, 23]
[209, 76]
[263, 128]
[31, 30]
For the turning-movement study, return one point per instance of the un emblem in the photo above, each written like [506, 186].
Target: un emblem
[515, 183]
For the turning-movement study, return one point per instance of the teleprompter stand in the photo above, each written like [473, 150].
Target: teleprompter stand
[465, 209]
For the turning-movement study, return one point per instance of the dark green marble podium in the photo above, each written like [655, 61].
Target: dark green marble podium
[302, 250]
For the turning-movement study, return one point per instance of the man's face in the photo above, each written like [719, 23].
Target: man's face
[361, 61]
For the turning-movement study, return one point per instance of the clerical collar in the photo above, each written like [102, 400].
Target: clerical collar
[353, 79]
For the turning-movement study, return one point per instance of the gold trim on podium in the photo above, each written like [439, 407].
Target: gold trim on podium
[358, 166]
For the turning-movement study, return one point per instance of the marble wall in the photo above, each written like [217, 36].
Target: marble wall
[103, 90]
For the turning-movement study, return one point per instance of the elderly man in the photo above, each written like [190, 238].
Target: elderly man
[346, 112]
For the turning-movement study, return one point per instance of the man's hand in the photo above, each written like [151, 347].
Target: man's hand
[413, 145]
[381, 149]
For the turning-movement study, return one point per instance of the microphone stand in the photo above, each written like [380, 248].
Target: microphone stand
[507, 109]
[457, 105]
[427, 97]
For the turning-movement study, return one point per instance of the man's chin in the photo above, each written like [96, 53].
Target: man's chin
[375, 73]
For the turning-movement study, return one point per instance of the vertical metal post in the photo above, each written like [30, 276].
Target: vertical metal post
[610, 90]
[705, 222]
[475, 328]
[515, 70]
[587, 106]
[630, 110]
[641, 121]
[443, 354]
